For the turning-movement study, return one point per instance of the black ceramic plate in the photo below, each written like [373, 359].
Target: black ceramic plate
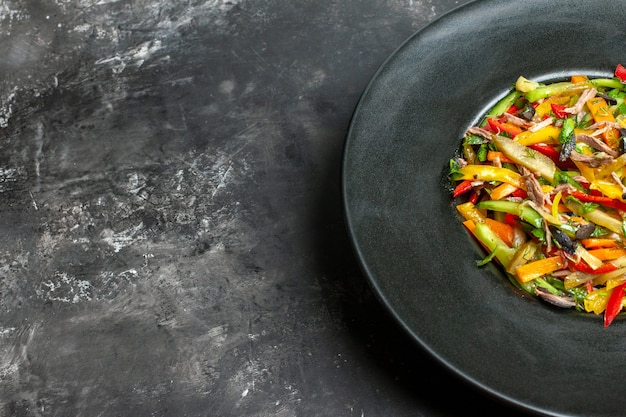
[413, 249]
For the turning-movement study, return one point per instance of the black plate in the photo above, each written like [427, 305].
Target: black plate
[413, 249]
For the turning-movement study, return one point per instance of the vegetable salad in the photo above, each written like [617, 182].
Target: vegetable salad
[539, 182]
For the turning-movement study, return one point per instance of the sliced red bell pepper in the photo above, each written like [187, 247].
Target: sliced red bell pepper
[553, 154]
[474, 196]
[559, 110]
[547, 150]
[614, 304]
[619, 205]
[596, 193]
[513, 109]
[620, 72]
[519, 193]
[583, 266]
[462, 188]
[511, 219]
[498, 126]
[599, 199]
[591, 197]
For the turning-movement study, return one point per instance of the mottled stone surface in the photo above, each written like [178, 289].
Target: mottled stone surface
[173, 242]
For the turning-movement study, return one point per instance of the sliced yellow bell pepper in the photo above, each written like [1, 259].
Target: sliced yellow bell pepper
[469, 212]
[577, 278]
[596, 300]
[492, 173]
[546, 106]
[586, 171]
[548, 134]
[612, 283]
[606, 171]
[579, 131]
[608, 188]
[555, 204]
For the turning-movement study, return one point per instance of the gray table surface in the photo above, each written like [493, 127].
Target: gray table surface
[173, 241]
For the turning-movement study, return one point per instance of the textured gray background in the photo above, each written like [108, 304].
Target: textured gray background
[173, 242]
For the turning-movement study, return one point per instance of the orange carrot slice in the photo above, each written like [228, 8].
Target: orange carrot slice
[596, 242]
[471, 226]
[608, 254]
[492, 155]
[539, 268]
[503, 190]
[601, 112]
[503, 230]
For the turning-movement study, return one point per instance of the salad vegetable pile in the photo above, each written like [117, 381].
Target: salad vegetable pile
[539, 183]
